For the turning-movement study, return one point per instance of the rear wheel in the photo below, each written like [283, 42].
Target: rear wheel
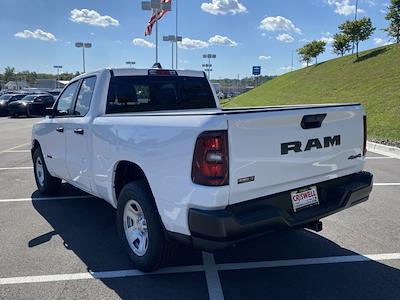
[140, 228]
[45, 183]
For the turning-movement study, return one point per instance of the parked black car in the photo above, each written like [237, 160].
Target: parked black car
[22, 107]
[55, 93]
[6, 99]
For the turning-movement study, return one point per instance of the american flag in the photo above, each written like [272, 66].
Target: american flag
[155, 17]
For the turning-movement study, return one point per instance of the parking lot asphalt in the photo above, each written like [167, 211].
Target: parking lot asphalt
[66, 247]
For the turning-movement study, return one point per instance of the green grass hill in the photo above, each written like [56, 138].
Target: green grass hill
[373, 80]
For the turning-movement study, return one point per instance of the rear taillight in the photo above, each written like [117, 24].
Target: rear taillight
[210, 160]
[365, 136]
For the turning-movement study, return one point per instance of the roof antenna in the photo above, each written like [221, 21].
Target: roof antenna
[157, 66]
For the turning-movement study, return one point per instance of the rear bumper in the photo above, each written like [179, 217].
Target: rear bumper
[213, 230]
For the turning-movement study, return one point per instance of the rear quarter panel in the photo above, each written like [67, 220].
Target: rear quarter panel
[162, 145]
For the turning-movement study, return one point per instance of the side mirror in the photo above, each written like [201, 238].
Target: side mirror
[49, 111]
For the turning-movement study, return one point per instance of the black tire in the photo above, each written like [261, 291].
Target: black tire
[49, 185]
[159, 250]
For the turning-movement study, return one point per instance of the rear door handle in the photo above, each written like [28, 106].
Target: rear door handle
[79, 131]
[60, 129]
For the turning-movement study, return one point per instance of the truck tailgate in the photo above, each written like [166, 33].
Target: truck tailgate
[281, 149]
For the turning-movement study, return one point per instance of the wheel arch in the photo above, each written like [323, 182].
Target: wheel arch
[35, 145]
[124, 172]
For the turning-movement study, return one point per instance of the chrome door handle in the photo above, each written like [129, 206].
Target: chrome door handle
[79, 131]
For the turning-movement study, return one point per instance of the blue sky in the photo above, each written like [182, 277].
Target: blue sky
[39, 34]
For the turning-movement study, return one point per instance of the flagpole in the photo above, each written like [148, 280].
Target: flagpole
[176, 35]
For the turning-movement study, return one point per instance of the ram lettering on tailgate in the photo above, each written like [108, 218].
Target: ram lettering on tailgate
[297, 146]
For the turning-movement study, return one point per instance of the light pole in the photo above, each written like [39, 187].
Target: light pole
[131, 63]
[209, 70]
[58, 74]
[156, 6]
[355, 19]
[173, 39]
[83, 46]
[176, 35]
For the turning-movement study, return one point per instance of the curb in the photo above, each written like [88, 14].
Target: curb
[384, 150]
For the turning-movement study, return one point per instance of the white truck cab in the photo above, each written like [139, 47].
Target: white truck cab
[157, 146]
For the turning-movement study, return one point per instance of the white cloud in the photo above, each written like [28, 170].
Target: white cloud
[343, 7]
[37, 34]
[263, 57]
[223, 7]
[279, 24]
[286, 69]
[143, 43]
[92, 17]
[285, 38]
[327, 38]
[222, 41]
[190, 44]
[381, 42]
[371, 3]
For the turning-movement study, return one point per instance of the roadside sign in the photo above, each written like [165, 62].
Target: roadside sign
[256, 70]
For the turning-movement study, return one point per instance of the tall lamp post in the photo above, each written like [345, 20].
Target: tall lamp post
[131, 63]
[58, 74]
[156, 6]
[174, 40]
[83, 46]
[209, 65]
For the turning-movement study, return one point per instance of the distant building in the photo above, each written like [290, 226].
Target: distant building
[49, 84]
[16, 85]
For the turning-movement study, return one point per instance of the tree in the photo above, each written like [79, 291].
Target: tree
[311, 50]
[9, 74]
[316, 49]
[358, 30]
[304, 55]
[393, 16]
[30, 77]
[341, 44]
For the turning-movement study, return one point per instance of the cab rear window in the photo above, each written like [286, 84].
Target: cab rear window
[158, 93]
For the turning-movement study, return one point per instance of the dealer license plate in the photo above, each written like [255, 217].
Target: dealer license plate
[304, 198]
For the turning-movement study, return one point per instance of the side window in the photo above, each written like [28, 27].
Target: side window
[65, 101]
[85, 96]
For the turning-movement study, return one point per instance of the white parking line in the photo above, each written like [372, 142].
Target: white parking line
[206, 268]
[46, 199]
[378, 157]
[387, 184]
[16, 168]
[213, 282]
[13, 148]
[97, 275]
[16, 151]
[310, 261]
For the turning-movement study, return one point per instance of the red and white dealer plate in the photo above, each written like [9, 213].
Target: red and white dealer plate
[304, 198]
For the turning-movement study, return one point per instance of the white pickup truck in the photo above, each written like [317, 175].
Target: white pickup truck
[156, 145]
